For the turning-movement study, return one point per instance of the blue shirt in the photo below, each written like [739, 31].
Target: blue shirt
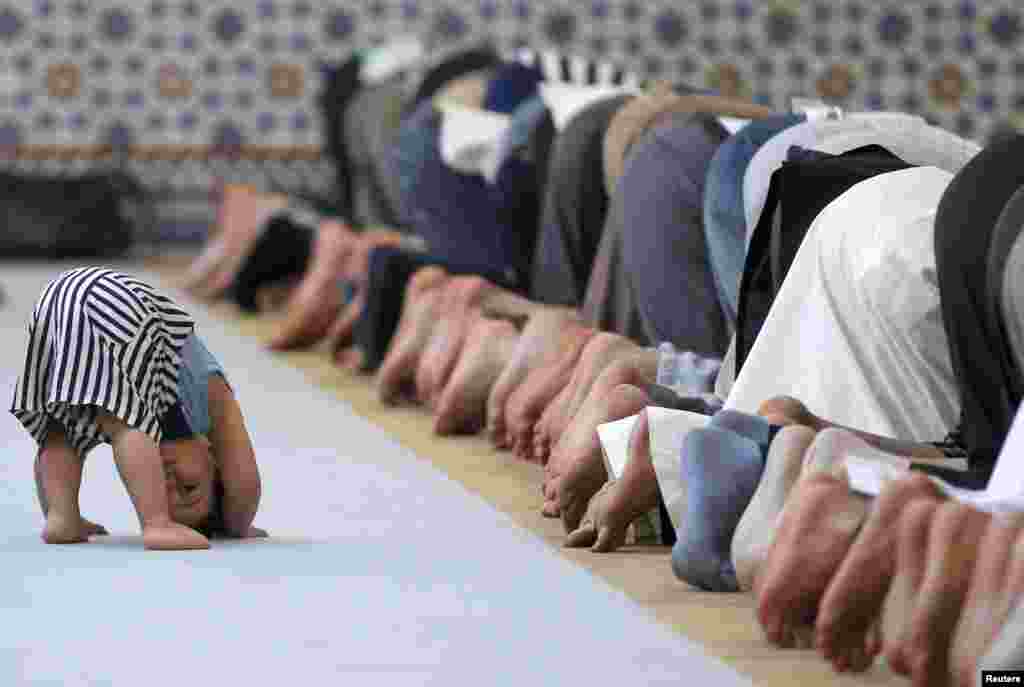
[190, 416]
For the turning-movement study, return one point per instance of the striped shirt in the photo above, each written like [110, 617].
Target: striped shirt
[100, 340]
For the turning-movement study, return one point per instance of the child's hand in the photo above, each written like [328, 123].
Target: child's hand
[61, 530]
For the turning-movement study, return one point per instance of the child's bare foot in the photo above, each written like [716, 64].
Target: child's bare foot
[619, 502]
[487, 350]
[61, 530]
[172, 536]
[318, 299]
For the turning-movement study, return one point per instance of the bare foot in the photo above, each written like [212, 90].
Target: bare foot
[551, 425]
[202, 268]
[419, 315]
[923, 648]
[603, 349]
[214, 251]
[816, 530]
[631, 369]
[541, 344]
[59, 530]
[339, 335]
[488, 348]
[357, 265]
[462, 295]
[318, 299]
[786, 410]
[576, 469]
[853, 601]
[618, 503]
[526, 404]
[274, 297]
[173, 537]
[913, 529]
[996, 589]
[245, 213]
[760, 520]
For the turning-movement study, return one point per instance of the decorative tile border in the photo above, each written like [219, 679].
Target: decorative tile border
[221, 73]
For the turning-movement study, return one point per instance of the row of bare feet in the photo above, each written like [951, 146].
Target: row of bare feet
[536, 378]
[314, 308]
[925, 582]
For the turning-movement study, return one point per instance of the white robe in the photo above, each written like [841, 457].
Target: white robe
[856, 330]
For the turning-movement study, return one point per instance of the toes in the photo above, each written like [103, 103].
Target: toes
[610, 537]
[584, 536]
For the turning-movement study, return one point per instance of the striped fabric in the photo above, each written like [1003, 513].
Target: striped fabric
[100, 339]
[574, 69]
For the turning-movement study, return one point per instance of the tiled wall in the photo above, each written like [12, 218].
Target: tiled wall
[209, 71]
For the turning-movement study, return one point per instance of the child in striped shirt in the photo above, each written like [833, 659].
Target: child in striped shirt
[112, 360]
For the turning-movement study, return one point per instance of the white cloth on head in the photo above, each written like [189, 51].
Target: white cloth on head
[856, 330]
[471, 138]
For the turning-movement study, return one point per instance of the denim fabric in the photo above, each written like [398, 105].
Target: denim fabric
[417, 136]
[191, 415]
[724, 219]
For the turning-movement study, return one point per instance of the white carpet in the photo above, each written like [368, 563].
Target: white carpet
[380, 569]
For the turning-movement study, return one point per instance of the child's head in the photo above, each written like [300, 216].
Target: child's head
[194, 490]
